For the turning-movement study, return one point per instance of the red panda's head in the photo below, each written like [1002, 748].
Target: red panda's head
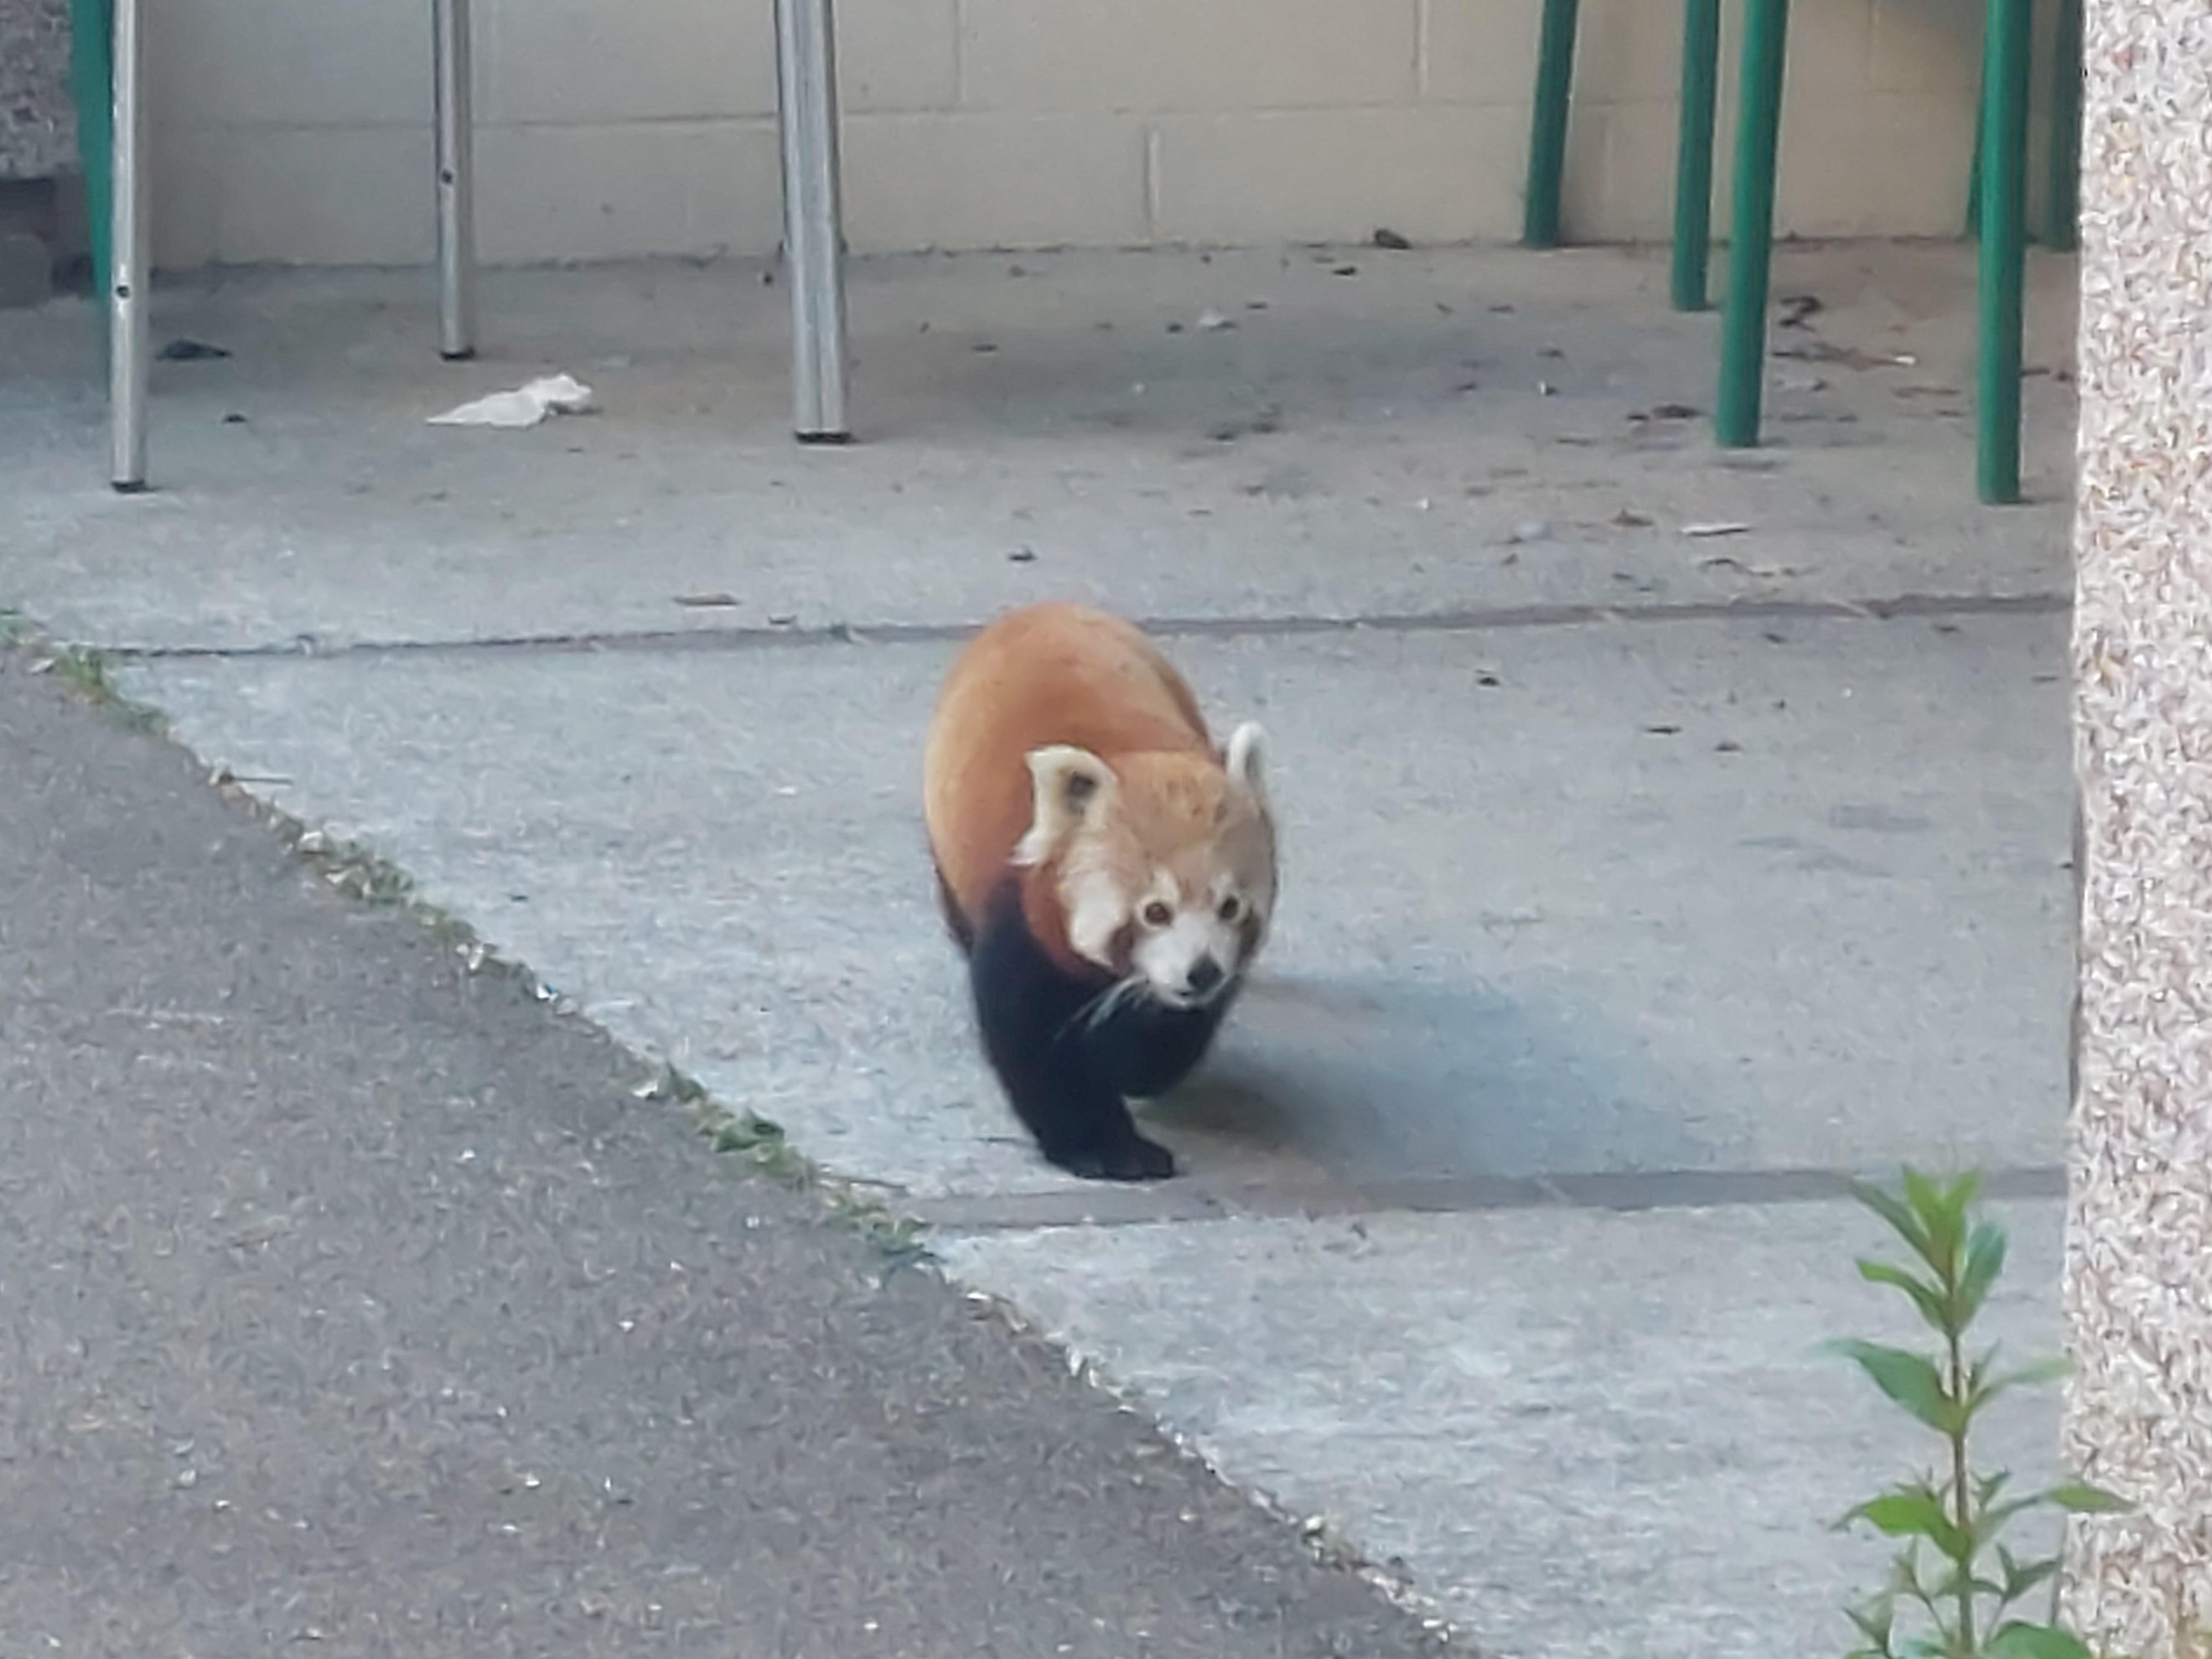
[1162, 863]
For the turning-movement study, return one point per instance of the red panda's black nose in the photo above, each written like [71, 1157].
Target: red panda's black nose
[1205, 974]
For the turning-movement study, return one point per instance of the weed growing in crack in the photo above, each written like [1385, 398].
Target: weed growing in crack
[1943, 1577]
[81, 668]
[84, 668]
[361, 874]
[760, 1143]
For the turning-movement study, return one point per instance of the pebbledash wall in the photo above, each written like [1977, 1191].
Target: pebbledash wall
[299, 130]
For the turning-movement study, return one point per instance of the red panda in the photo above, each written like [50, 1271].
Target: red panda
[1109, 872]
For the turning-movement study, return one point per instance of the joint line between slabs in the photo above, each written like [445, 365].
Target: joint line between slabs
[751, 636]
[1613, 1192]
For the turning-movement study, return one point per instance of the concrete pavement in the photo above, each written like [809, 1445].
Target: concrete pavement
[1444, 431]
[1670, 916]
[1695, 896]
[1667, 832]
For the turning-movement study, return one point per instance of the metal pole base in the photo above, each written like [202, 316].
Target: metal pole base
[813, 217]
[1693, 155]
[456, 163]
[1548, 129]
[2004, 248]
[128, 265]
[1743, 320]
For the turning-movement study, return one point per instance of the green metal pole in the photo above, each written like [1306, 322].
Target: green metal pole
[1547, 133]
[91, 86]
[1750, 237]
[2003, 249]
[1973, 225]
[2062, 196]
[1693, 152]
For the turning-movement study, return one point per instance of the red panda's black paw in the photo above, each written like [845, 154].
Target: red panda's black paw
[1133, 1159]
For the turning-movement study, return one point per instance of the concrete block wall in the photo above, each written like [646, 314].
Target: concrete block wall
[38, 124]
[299, 129]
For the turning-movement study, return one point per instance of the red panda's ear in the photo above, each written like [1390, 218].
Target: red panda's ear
[1068, 784]
[1244, 757]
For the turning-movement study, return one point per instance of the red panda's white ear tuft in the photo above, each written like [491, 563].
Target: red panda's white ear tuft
[1245, 744]
[1068, 784]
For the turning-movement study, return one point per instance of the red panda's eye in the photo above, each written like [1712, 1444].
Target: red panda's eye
[1230, 909]
[1156, 914]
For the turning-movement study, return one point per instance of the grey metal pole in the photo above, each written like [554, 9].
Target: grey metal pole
[128, 263]
[457, 223]
[813, 228]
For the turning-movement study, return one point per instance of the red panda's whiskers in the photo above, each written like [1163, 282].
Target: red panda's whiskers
[1087, 1014]
[1100, 1008]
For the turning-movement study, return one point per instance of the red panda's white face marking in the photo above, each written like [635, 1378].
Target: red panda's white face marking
[1165, 864]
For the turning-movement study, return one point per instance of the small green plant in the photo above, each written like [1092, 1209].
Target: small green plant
[81, 668]
[1944, 1577]
[762, 1143]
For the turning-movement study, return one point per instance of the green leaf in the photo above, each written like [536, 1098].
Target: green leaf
[1911, 1513]
[1985, 1259]
[1979, 1390]
[1904, 1572]
[1925, 1296]
[2024, 1641]
[1946, 1591]
[1924, 1193]
[1982, 1387]
[1907, 1378]
[1873, 1619]
[2079, 1498]
[1942, 1212]
[1901, 1219]
[2022, 1576]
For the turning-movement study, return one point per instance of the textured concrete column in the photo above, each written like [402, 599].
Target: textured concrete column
[2139, 1252]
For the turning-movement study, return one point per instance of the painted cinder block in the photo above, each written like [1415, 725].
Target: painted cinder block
[301, 133]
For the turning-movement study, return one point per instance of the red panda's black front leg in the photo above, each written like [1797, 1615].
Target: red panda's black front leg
[1031, 1012]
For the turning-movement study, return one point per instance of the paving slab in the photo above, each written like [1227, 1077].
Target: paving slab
[1581, 1436]
[1694, 896]
[1443, 430]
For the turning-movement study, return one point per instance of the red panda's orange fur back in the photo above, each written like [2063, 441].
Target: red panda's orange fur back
[1050, 673]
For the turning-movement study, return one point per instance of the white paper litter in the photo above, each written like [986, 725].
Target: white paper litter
[526, 405]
